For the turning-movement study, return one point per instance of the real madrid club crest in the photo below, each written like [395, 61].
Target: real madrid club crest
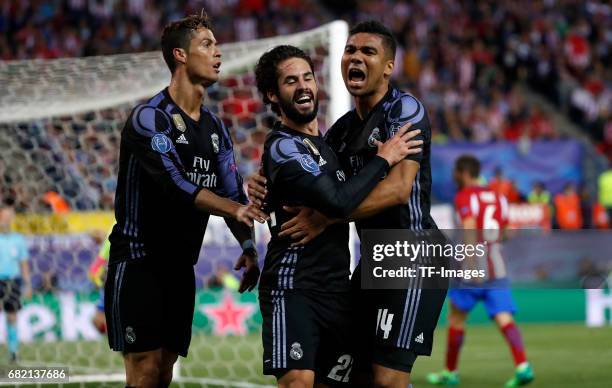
[314, 150]
[130, 336]
[296, 351]
[340, 175]
[375, 135]
[214, 138]
[179, 123]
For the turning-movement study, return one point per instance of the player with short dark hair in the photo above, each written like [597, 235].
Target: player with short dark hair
[380, 110]
[377, 28]
[304, 291]
[179, 34]
[176, 168]
[400, 201]
[486, 211]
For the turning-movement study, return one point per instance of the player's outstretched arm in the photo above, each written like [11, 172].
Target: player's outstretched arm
[231, 187]
[146, 137]
[397, 187]
[248, 258]
[297, 169]
[393, 190]
[210, 202]
[257, 189]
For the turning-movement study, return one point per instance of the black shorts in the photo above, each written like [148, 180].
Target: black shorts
[10, 295]
[399, 324]
[306, 329]
[149, 306]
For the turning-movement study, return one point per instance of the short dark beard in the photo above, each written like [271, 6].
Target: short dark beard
[295, 115]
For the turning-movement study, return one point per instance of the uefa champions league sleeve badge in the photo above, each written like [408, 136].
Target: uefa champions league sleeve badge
[161, 143]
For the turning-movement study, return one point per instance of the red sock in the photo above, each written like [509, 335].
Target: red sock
[513, 337]
[453, 347]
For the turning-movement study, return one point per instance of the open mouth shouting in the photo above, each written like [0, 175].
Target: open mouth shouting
[356, 77]
[216, 66]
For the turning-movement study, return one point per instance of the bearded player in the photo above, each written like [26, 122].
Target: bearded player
[399, 201]
[304, 291]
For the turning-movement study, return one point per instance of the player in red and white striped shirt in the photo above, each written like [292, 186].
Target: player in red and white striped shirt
[485, 212]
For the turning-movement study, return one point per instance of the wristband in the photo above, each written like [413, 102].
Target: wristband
[246, 244]
[248, 248]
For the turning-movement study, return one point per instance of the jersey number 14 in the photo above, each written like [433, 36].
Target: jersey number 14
[383, 321]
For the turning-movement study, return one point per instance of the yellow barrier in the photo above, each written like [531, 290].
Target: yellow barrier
[74, 222]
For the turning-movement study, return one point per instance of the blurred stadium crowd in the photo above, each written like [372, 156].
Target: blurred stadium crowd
[466, 60]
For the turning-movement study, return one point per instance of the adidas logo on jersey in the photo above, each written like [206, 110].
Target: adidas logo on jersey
[419, 338]
[182, 139]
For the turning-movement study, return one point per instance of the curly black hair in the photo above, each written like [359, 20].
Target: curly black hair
[266, 70]
[178, 33]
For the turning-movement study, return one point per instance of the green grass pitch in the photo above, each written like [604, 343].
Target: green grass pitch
[563, 356]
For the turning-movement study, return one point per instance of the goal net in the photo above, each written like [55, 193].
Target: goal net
[60, 123]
